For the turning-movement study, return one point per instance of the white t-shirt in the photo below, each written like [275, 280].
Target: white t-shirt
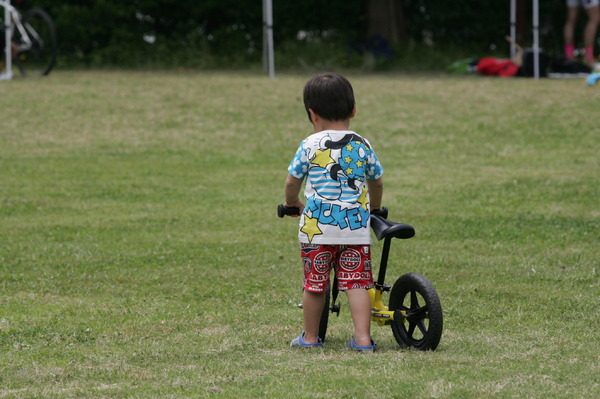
[336, 165]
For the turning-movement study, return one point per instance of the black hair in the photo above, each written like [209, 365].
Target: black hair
[330, 96]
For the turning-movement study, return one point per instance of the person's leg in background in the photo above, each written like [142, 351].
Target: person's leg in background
[589, 33]
[569, 31]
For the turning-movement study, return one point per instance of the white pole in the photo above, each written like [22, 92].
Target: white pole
[7, 37]
[513, 27]
[269, 28]
[536, 39]
[265, 41]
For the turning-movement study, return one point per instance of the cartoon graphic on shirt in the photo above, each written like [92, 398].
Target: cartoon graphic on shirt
[351, 163]
[336, 179]
[311, 228]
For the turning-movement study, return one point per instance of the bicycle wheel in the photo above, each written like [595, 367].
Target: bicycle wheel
[39, 56]
[421, 328]
[325, 316]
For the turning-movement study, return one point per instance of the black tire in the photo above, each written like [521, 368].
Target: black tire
[325, 316]
[422, 327]
[41, 57]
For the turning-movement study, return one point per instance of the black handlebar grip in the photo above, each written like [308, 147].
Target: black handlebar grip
[383, 212]
[283, 210]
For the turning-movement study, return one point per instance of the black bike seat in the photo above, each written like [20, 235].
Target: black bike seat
[384, 228]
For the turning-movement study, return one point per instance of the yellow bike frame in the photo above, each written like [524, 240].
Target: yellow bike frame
[380, 313]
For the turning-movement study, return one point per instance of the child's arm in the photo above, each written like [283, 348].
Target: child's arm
[292, 190]
[375, 193]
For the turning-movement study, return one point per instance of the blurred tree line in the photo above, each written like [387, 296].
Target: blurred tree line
[212, 33]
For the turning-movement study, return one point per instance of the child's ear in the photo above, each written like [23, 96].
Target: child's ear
[353, 114]
[312, 115]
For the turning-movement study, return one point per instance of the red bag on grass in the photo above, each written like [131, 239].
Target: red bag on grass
[497, 67]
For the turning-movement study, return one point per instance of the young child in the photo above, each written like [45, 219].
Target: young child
[343, 183]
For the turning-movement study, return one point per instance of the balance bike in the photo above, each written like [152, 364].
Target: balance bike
[414, 312]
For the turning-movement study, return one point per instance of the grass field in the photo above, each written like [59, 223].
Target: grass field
[140, 253]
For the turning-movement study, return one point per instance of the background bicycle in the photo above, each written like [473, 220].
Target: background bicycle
[32, 40]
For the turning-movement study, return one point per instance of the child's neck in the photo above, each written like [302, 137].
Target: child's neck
[324, 124]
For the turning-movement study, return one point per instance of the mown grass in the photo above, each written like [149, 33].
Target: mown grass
[141, 256]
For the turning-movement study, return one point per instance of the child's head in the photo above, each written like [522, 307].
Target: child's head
[330, 96]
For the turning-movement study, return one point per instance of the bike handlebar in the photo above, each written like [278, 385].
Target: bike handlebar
[283, 210]
[383, 212]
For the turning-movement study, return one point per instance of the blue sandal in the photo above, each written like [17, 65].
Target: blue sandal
[364, 349]
[298, 342]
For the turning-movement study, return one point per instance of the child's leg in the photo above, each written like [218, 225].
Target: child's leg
[360, 308]
[355, 277]
[312, 307]
[317, 260]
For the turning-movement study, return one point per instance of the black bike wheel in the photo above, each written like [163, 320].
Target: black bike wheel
[40, 57]
[422, 326]
[325, 316]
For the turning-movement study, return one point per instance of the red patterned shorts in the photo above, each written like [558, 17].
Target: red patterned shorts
[352, 265]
